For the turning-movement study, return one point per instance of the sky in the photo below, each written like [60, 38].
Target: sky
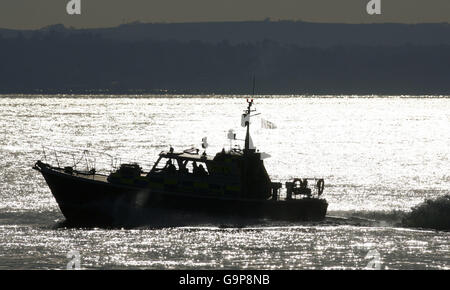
[35, 14]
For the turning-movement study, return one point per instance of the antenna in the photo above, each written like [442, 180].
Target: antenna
[245, 121]
[253, 92]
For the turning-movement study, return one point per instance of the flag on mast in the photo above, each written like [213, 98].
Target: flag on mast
[267, 124]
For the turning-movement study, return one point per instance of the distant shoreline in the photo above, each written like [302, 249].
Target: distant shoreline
[221, 92]
[302, 33]
[286, 58]
[212, 95]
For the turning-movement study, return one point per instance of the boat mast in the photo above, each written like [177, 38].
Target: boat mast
[247, 119]
[247, 124]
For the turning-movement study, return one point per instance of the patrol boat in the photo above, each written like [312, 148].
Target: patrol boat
[232, 183]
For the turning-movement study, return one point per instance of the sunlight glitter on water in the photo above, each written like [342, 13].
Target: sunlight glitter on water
[377, 155]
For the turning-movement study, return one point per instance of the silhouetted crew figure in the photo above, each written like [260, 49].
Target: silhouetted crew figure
[170, 167]
[201, 170]
[194, 168]
[184, 170]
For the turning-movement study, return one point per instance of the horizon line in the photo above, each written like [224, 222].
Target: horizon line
[266, 20]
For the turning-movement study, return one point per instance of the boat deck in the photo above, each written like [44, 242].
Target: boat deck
[96, 177]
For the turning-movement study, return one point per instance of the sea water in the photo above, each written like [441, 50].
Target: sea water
[379, 157]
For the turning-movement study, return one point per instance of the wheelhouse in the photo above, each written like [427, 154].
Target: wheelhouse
[191, 172]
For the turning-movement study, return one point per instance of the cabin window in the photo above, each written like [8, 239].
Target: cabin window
[197, 168]
[180, 166]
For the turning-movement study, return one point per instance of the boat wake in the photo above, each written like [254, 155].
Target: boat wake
[432, 213]
[156, 219]
[368, 218]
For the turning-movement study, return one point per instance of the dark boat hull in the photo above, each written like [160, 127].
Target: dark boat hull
[89, 201]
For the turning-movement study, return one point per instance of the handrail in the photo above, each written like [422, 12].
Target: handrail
[70, 157]
[296, 188]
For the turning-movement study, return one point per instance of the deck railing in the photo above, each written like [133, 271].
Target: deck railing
[85, 160]
[298, 188]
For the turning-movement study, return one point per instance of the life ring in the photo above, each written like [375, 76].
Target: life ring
[320, 186]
